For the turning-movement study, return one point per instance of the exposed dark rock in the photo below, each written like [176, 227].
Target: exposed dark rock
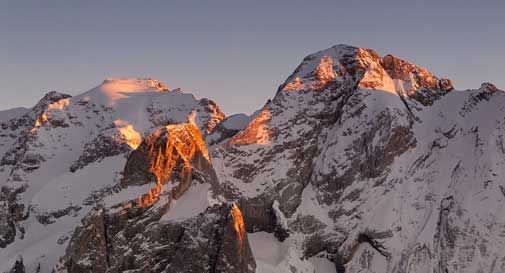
[306, 224]
[446, 236]
[7, 227]
[11, 212]
[50, 217]
[214, 241]
[48, 98]
[370, 156]
[258, 214]
[107, 144]
[88, 253]
[18, 267]
[215, 115]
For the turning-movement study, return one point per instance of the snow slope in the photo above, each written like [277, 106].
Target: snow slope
[9, 114]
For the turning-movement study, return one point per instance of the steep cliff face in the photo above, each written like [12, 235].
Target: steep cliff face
[177, 226]
[141, 242]
[175, 153]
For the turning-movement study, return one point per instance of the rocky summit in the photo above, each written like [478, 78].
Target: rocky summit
[359, 163]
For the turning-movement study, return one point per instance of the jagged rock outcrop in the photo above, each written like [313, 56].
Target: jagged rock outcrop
[418, 83]
[212, 114]
[175, 153]
[213, 241]
[138, 235]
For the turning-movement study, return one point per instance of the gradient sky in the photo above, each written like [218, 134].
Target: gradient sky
[234, 52]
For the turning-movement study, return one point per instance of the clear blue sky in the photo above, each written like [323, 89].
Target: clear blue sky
[235, 52]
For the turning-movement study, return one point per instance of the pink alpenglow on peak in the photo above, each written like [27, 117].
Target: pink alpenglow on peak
[113, 89]
[368, 70]
[133, 84]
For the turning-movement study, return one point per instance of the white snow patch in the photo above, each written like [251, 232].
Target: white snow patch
[193, 202]
[236, 122]
[6, 115]
[274, 256]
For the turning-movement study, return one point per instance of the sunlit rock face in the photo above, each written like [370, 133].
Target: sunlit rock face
[256, 132]
[368, 70]
[415, 81]
[174, 153]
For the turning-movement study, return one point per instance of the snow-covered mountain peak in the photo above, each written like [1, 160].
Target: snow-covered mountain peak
[365, 69]
[114, 89]
[77, 146]
[147, 103]
[320, 68]
[377, 161]
[419, 77]
[134, 84]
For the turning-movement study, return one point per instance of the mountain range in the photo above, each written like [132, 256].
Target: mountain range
[359, 163]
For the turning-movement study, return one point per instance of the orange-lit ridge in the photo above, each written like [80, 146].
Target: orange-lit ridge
[238, 225]
[257, 132]
[324, 71]
[296, 84]
[184, 141]
[149, 198]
